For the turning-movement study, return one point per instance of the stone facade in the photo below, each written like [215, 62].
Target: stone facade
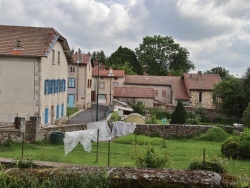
[206, 100]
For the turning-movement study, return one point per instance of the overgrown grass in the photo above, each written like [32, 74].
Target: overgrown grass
[71, 111]
[182, 152]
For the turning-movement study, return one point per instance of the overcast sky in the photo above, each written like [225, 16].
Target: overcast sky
[215, 32]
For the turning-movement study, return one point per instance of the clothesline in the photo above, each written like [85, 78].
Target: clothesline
[84, 137]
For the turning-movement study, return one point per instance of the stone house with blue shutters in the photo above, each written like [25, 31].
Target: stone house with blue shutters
[33, 72]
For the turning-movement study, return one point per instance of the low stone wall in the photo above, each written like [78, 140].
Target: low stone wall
[153, 130]
[10, 134]
[45, 131]
[170, 130]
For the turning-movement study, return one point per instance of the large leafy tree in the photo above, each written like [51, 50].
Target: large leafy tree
[100, 56]
[124, 58]
[229, 97]
[246, 84]
[159, 55]
[224, 74]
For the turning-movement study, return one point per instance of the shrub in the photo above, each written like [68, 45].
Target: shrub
[193, 121]
[138, 107]
[217, 164]
[215, 134]
[179, 114]
[152, 158]
[115, 116]
[159, 113]
[152, 120]
[230, 147]
[237, 147]
[246, 116]
[244, 149]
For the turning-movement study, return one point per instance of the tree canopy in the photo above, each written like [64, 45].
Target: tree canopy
[159, 55]
[100, 56]
[179, 114]
[229, 96]
[224, 74]
[124, 58]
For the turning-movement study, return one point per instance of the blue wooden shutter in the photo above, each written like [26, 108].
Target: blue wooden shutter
[45, 90]
[62, 110]
[46, 116]
[57, 111]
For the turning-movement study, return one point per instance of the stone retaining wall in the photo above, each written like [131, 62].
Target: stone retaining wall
[153, 130]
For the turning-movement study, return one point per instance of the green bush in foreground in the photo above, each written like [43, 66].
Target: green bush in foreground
[215, 134]
[217, 164]
[237, 147]
[152, 158]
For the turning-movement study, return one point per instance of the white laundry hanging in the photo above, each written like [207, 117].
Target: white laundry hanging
[122, 128]
[84, 137]
[104, 130]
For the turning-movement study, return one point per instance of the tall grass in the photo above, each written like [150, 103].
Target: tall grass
[182, 152]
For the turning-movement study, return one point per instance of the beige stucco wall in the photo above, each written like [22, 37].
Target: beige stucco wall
[106, 89]
[53, 71]
[82, 93]
[207, 100]
[17, 86]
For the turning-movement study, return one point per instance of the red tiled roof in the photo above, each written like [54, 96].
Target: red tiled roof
[149, 80]
[134, 92]
[179, 90]
[84, 58]
[205, 82]
[105, 73]
[34, 41]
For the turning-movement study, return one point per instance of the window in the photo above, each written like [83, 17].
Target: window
[71, 69]
[101, 85]
[71, 82]
[164, 93]
[56, 86]
[58, 58]
[200, 96]
[53, 57]
[90, 83]
[115, 78]
[115, 84]
[156, 93]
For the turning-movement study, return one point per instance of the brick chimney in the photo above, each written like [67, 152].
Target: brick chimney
[199, 76]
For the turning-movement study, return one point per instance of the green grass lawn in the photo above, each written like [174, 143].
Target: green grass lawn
[182, 152]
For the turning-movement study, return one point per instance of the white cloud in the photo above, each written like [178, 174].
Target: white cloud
[216, 33]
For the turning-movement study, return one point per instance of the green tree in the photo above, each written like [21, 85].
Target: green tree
[224, 74]
[124, 56]
[100, 56]
[158, 55]
[138, 107]
[126, 67]
[229, 97]
[179, 114]
[246, 116]
[246, 84]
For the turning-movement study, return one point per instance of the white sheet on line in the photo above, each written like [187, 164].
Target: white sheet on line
[122, 128]
[84, 137]
[104, 130]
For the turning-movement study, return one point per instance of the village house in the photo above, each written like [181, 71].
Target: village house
[80, 81]
[108, 80]
[33, 72]
[194, 90]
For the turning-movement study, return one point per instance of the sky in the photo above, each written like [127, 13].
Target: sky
[215, 32]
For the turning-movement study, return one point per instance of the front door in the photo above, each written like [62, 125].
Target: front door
[71, 101]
